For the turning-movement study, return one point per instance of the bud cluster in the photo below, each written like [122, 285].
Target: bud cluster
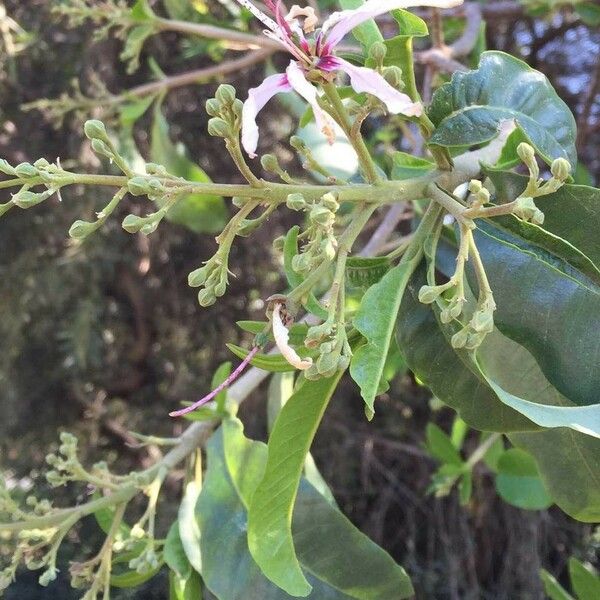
[226, 112]
[213, 278]
[322, 243]
[334, 350]
[471, 336]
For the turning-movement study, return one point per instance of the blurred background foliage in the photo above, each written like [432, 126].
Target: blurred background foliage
[105, 337]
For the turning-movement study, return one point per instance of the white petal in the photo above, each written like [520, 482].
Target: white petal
[281, 335]
[341, 23]
[257, 98]
[298, 81]
[371, 82]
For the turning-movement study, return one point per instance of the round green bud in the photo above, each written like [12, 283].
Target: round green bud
[237, 107]
[429, 294]
[206, 298]
[475, 186]
[6, 168]
[270, 163]
[329, 249]
[218, 127]
[474, 341]
[297, 143]
[41, 163]
[213, 107]
[321, 215]
[296, 202]
[138, 186]
[133, 223]
[95, 129]
[393, 75]
[198, 277]
[560, 169]
[81, 229]
[225, 94]
[25, 170]
[483, 321]
[378, 52]
[99, 147]
[220, 288]
[329, 201]
[526, 152]
[459, 339]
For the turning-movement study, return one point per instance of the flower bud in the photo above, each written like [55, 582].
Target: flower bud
[237, 107]
[221, 288]
[218, 127]
[138, 186]
[95, 129]
[429, 294]
[99, 147]
[133, 223]
[459, 339]
[81, 229]
[321, 215]
[296, 202]
[560, 169]
[41, 163]
[25, 170]
[6, 168]
[329, 201]
[270, 163]
[475, 186]
[393, 75]
[225, 94]
[206, 298]
[526, 152]
[377, 52]
[483, 321]
[327, 362]
[474, 341]
[25, 199]
[213, 107]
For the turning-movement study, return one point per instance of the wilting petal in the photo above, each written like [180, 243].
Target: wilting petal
[371, 82]
[257, 98]
[298, 81]
[342, 22]
[281, 335]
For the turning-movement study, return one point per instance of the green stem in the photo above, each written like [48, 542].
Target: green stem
[452, 206]
[355, 137]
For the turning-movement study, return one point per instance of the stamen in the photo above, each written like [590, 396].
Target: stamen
[310, 18]
[266, 20]
[220, 388]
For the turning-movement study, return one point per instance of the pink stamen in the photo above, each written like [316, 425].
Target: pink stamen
[280, 18]
[220, 388]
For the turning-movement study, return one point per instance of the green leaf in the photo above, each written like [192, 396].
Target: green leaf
[185, 589]
[132, 579]
[189, 532]
[341, 563]
[363, 272]
[584, 580]
[201, 213]
[589, 13]
[407, 166]
[179, 9]
[270, 515]
[572, 213]
[469, 109]
[518, 481]
[135, 109]
[375, 320]
[549, 306]
[274, 363]
[281, 388]
[368, 33]
[399, 48]
[440, 445]
[141, 11]
[410, 25]
[297, 331]
[174, 553]
[554, 590]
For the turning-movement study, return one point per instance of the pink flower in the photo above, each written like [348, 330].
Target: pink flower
[314, 52]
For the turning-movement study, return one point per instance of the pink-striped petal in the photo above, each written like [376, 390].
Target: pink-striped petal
[371, 82]
[296, 78]
[339, 24]
[257, 98]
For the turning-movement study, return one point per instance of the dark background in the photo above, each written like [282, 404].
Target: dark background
[106, 337]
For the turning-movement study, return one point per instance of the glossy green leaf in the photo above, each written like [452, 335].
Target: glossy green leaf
[584, 580]
[297, 331]
[270, 514]
[440, 446]
[407, 166]
[202, 213]
[341, 563]
[175, 555]
[572, 213]
[185, 589]
[518, 481]
[399, 47]
[469, 109]
[375, 320]
[548, 306]
[554, 590]
[131, 579]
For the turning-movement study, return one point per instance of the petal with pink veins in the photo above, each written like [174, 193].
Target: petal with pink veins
[363, 79]
[298, 81]
[339, 24]
[257, 98]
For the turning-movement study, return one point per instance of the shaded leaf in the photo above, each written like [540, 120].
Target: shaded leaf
[554, 590]
[584, 580]
[469, 109]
